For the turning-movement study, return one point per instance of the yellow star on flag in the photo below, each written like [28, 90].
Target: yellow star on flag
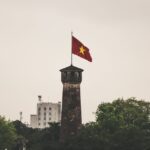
[82, 50]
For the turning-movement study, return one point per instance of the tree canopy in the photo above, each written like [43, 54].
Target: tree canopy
[120, 125]
[123, 114]
[7, 134]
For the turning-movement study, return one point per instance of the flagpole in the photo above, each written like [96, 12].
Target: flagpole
[71, 49]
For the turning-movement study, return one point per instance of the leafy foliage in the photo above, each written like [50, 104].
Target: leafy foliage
[37, 139]
[120, 125]
[123, 114]
[7, 134]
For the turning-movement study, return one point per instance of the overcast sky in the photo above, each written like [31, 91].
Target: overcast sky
[35, 43]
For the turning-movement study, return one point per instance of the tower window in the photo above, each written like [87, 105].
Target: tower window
[64, 74]
[76, 75]
[68, 75]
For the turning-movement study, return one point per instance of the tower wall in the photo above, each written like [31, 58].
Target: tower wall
[71, 103]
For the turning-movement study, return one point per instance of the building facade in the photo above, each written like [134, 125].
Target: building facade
[46, 113]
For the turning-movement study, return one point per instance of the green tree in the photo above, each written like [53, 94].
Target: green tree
[24, 135]
[123, 114]
[120, 125]
[37, 139]
[125, 123]
[7, 134]
[45, 139]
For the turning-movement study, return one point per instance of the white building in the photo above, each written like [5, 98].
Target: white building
[46, 113]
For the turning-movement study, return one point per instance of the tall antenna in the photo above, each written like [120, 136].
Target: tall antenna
[40, 98]
[21, 116]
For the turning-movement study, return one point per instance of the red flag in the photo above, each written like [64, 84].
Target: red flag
[80, 50]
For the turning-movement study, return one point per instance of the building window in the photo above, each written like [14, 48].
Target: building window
[44, 123]
[39, 124]
[49, 118]
[45, 108]
[50, 108]
[39, 109]
[39, 113]
[39, 118]
[44, 118]
[44, 113]
[49, 113]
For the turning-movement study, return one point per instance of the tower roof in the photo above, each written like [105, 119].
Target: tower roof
[71, 68]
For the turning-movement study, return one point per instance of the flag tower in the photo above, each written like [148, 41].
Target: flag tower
[71, 78]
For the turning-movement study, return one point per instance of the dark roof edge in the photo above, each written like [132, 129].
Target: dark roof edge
[72, 68]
